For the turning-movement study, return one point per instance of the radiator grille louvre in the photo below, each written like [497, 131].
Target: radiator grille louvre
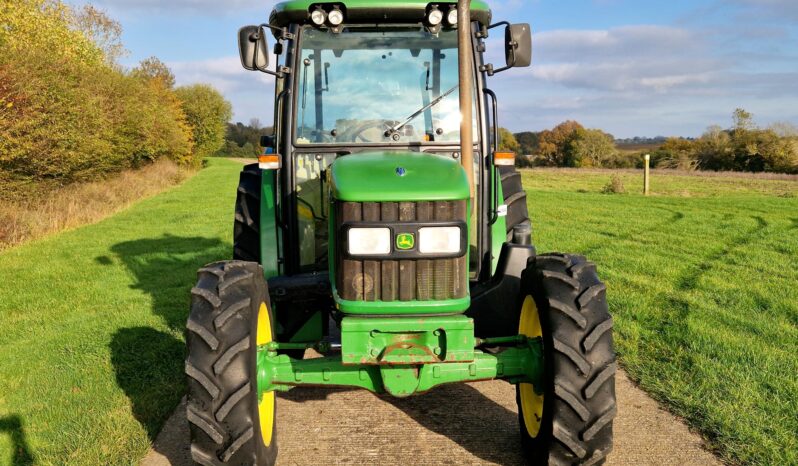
[400, 280]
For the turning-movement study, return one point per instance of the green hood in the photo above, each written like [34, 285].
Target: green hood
[398, 176]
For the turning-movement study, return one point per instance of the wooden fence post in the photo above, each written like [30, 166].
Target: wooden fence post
[647, 175]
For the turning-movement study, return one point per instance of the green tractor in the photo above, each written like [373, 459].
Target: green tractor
[383, 229]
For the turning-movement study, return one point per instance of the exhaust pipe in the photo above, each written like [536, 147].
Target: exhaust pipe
[465, 54]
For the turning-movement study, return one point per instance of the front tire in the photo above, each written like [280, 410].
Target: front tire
[570, 423]
[230, 316]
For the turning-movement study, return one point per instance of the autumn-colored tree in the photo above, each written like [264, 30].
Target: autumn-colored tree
[507, 142]
[554, 146]
[207, 112]
[67, 112]
[49, 24]
[528, 142]
[102, 30]
[153, 68]
[592, 148]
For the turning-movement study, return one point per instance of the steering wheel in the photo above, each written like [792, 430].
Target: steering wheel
[355, 133]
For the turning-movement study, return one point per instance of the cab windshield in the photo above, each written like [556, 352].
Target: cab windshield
[369, 86]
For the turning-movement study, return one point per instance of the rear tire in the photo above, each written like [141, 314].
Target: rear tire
[246, 230]
[223, 411]
[515, 200]
[578, 404]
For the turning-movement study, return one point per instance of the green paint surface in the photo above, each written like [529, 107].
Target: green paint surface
[498, 231]
[408, 340]
[373, 177]
[269, 240]
[451, 306]
[516, 365]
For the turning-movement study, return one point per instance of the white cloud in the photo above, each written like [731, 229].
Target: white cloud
[251, 93]
[628, 59]
[773, 9]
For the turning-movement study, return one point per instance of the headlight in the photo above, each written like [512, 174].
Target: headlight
[369, 241]
[435, 17]
[451, 18]
[439, 240]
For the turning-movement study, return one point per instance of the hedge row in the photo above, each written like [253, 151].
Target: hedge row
[68, 113]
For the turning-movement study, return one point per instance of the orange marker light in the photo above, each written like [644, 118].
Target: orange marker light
[269, 162]
[504, 159]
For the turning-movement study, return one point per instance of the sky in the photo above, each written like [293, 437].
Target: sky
[631, 68]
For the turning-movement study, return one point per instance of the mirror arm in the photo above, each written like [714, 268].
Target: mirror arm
[280, 73]
[489, 69]
[284, 35]
[483, 33]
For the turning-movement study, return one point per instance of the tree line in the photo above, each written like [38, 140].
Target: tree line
[742, 147]
[69, 112]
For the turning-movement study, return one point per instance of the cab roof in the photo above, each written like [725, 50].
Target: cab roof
[371, 11]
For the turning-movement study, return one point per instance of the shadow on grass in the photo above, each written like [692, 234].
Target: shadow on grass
[148, 362]
[12, 425]
[166, 269]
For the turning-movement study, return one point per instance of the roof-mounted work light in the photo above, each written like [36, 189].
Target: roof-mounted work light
[318, 16]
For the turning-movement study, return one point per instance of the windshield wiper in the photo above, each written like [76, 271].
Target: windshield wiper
[393, 132]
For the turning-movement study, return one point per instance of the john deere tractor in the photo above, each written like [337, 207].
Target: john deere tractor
[383, 229]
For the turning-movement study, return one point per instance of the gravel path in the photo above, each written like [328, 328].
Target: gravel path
[454, 424]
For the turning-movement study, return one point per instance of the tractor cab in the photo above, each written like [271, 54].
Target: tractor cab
[383, 229]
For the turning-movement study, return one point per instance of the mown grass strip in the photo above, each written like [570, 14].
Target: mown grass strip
[91, 352]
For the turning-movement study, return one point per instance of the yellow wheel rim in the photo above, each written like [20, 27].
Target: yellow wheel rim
[531, 403]
[266, 405]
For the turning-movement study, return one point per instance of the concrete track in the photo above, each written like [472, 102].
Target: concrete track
[455, 424]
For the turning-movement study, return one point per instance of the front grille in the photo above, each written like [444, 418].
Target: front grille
[400, 280]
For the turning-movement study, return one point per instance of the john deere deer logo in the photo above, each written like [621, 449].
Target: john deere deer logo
[405, 241]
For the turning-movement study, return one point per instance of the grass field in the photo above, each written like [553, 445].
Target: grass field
[91, 352]
[702, 281]
[703, 285]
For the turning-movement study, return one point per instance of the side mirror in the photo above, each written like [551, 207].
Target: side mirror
[518, 45]
[253, 48]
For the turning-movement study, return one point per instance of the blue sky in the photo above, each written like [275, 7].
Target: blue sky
[632, 68]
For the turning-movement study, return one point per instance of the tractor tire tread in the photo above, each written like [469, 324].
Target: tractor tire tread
[227, 357]
[579, 398]
[577, 317]
[607, 373]
[571, 400]
[237, 444]
[222, 405]
[194, 418]
[203, 333]
[593, 337]
[232, 401]
[568, 438]
[231, 311]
